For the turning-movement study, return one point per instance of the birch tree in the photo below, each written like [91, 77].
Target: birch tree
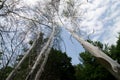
[11, 38]
[51, 11]
[67, 14]
[111, 65]
[40, 61]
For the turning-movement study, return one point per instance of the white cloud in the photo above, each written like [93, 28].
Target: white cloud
[30, 2]
[104, 18]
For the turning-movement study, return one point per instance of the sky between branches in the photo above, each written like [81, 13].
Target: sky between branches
[100, 21]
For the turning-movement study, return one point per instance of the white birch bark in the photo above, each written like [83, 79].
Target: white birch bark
[111, 65]
[39, 73]
[106, 61]
[55, 4]
[39, 58]
[13, 73]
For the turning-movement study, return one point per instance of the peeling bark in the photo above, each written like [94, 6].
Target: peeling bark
[111, 65]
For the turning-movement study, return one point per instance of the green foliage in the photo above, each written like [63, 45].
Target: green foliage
[4, 72]
[115, 50]
[25, 67]
[58, 67]
[91, 69]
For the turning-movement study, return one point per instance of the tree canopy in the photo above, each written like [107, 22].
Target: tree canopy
[58, 67]
[21, 23]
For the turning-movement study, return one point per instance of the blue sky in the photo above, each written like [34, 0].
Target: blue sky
[101, 21]
[72, 47]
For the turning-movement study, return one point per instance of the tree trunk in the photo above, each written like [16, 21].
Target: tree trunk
[111, 65]
[36, 45]
[41, 69]
[40, 56]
